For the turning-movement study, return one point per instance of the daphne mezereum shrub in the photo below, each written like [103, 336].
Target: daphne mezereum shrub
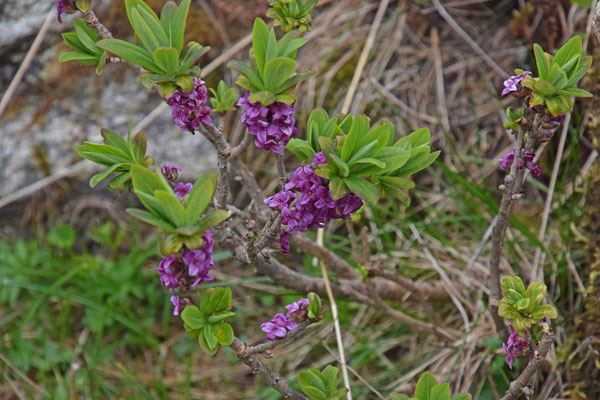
[343, 163]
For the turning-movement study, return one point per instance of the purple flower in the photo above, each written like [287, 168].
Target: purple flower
[319, 158]
[182, 190]
[200, 261]
[64, 6]
[559, 118]
[170, 271]
[306, 202]
[279, 326]
[272, 125]
[526, 161]
[512, 83]
[189, 109]
[297, 309]
[170, 171]
[176, 305]
[507, 160]
[513, 346]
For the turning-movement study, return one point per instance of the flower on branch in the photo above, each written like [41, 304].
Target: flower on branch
[170, 171]
[182, 190]
[527, 161]
[170, 271]
[512, 83]
[513, 346]
[313, 206]
[297, 309]
[279, 326]
[64, 6]
[189, 109]
[272, 125]
[200, 260]
[176, 304]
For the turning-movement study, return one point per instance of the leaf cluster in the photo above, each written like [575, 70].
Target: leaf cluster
[558, 76]
[315, 307]
[291, 14]
[361, 159]
[183, 221]
[119, 155]
[428, 388]
[271, 75]
[161, 53]
[321, 385]
[224, 98]
[206, 321]
[514, 118]
[523, 305]
[85, 51]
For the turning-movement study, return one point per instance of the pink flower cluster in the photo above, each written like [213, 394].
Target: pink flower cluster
[513, 346]
[196, 264]
[281, 324]
[525, 161]
[306, 202]
[512, 83]
[273, 125]
[189, 109]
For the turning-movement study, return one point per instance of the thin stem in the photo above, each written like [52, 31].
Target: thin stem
[277, 382]
[281, 170]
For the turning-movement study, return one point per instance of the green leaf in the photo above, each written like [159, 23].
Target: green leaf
[143, 31]
[418, 163]
[271, 50]
[130, 52]
[220, 316]
[575, 92]
[397, 182]
[506, 310]
[101, 63]
[343, 167]
[223, 332]
[399, 396]
[264, 97]
[508, 282]
[521, 304]
[115, 140]
[191, 54]
[558, 77]
[83, 5]
[113, 153]
[419, 137]
[558, 104]
[97, 178]
[424, 385]
[200, 195]
[167, 59]
[461, 396]
[73, 41]
[212, 219]
[192, 316]
[215, 299]
[276, 72]
[247, 72]
[584, 65]
[62, 236]
[367, 166]
[179, 24]
[338, 188]
[155, 26]
[440, 392]
[543, 311]
[87, 36]
[330, 374]
[205, 346]
[300, 149]
[544, 87]
[569, 50]
[130, 4]
[260, 37]
[138, 147]
[364, 151]
[167, 21]
[151, 219]
[394, 158]
[540, 60]
[313, 393]
[209, 336]
[362, 188]
[358, 128]
[146, 181]
[83, 58]
[172, 207]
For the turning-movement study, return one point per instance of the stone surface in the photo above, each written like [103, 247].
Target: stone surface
[58, 106]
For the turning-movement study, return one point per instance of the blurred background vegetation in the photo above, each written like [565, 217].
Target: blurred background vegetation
[82, 312]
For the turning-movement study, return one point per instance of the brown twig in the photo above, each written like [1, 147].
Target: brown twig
[258, 367]
[516, 388]
[93, 22]
[215, 136]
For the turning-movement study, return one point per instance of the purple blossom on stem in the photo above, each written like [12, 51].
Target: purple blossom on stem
[199, 261]
[64, 6]
[279, 326]
[273, 125]
[170, 171]
[189, 109]
[182, 190]
[319, 158]
[527, 161]
[176, 305]
[559, 118]
[170, 271]
[312, 206]
[513, 346]
[297, 309]
[512, 83]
